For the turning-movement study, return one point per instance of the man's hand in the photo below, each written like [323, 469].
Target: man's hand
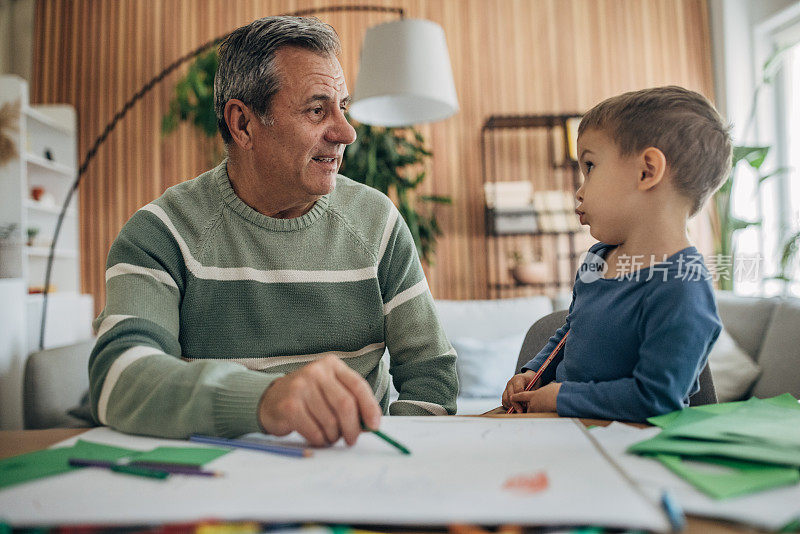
[540, 400]
[323, 401]
[517, 384]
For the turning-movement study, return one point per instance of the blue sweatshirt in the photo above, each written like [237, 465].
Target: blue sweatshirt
[637, 342]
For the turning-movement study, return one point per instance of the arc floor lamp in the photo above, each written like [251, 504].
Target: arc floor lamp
[404, 78]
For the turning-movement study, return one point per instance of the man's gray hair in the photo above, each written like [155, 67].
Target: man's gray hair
[246, 68]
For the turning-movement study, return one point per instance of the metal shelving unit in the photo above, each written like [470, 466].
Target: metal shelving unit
[535, 147]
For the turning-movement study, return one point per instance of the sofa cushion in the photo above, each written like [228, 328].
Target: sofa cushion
[732, 369]
[746, 319]
[55, 381]
[780, 353]
[487, 319]
[484, 365]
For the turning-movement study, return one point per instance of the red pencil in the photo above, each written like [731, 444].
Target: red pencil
[543, 367]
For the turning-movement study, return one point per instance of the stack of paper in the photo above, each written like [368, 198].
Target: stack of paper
[477, 470]
[730, 449]
[771, 510]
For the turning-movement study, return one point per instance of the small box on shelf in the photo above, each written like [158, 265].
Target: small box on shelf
[512, 221]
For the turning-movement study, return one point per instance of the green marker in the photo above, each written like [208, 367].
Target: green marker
[387, 439]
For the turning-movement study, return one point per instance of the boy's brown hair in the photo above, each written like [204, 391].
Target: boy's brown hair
[681, 123]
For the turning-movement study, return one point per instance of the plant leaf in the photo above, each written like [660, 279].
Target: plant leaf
[790, 249]
[780, 170]
[441, 199]
[753, 155]
[740, 224]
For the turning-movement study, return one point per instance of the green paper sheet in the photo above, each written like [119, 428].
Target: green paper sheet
[741, 478]
[791, 526]
[49, 462]
[194, 456]
[754, 452]
[98, 451]
[663, 421]
[752, 422]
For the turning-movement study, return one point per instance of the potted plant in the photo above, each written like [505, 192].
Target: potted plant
[193, 102]
[525, 272]
[391, 160]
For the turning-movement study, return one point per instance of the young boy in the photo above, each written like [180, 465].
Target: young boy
[643, 316]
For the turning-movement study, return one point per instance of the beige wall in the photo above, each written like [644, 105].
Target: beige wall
[16, 37]
[508, 56]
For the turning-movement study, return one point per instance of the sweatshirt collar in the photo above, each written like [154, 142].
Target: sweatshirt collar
[270, 223]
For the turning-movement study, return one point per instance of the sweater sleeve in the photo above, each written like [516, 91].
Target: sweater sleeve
[138, 383]
[679, 326]
[422, 361]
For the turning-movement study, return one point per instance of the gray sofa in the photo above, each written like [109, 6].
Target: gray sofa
[768, 330]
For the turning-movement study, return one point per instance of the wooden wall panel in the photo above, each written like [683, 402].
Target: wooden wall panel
[508, 56]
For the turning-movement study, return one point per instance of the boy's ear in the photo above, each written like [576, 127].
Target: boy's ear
[653, 168]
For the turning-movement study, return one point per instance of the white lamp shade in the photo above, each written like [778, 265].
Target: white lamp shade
[405, 76]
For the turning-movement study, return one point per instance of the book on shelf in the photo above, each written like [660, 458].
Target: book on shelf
[555, 211]
[571, 134]
[509, 195]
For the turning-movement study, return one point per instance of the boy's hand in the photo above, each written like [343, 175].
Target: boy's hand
[517, 384]
[539, 400]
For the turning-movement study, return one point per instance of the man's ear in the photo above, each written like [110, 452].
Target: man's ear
[653, 168]
[239, 119]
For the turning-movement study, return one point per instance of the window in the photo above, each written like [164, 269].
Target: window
[777, 201]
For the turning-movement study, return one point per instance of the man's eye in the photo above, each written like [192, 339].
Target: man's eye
[317, 111]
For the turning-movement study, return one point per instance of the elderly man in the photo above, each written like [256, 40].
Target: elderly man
[260, 296]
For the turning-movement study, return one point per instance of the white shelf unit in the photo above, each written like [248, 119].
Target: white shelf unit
[46, 160]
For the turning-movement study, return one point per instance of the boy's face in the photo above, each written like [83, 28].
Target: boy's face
[608, 197]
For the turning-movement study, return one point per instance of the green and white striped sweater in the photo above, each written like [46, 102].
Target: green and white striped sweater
[209, 301]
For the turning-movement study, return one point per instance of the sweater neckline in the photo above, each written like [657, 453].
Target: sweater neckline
[270, 223]
[691, 250]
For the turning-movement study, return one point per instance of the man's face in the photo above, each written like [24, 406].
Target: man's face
[607, 198]
[299, 151]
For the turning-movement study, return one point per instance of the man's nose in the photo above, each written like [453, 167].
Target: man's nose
[340, 132]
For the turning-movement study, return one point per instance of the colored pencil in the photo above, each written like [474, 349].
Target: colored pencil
[394, 443]
[673, 511]
[166, 465]
[543, 367]
[119, 468]
[170, 469]
[286, 450]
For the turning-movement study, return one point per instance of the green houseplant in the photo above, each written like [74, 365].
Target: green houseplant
[193, 101]
[389, 159]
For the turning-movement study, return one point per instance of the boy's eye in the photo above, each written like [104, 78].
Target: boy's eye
[589, 166]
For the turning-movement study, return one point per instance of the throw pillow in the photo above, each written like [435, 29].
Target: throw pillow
[732, 369]
[484, 366]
